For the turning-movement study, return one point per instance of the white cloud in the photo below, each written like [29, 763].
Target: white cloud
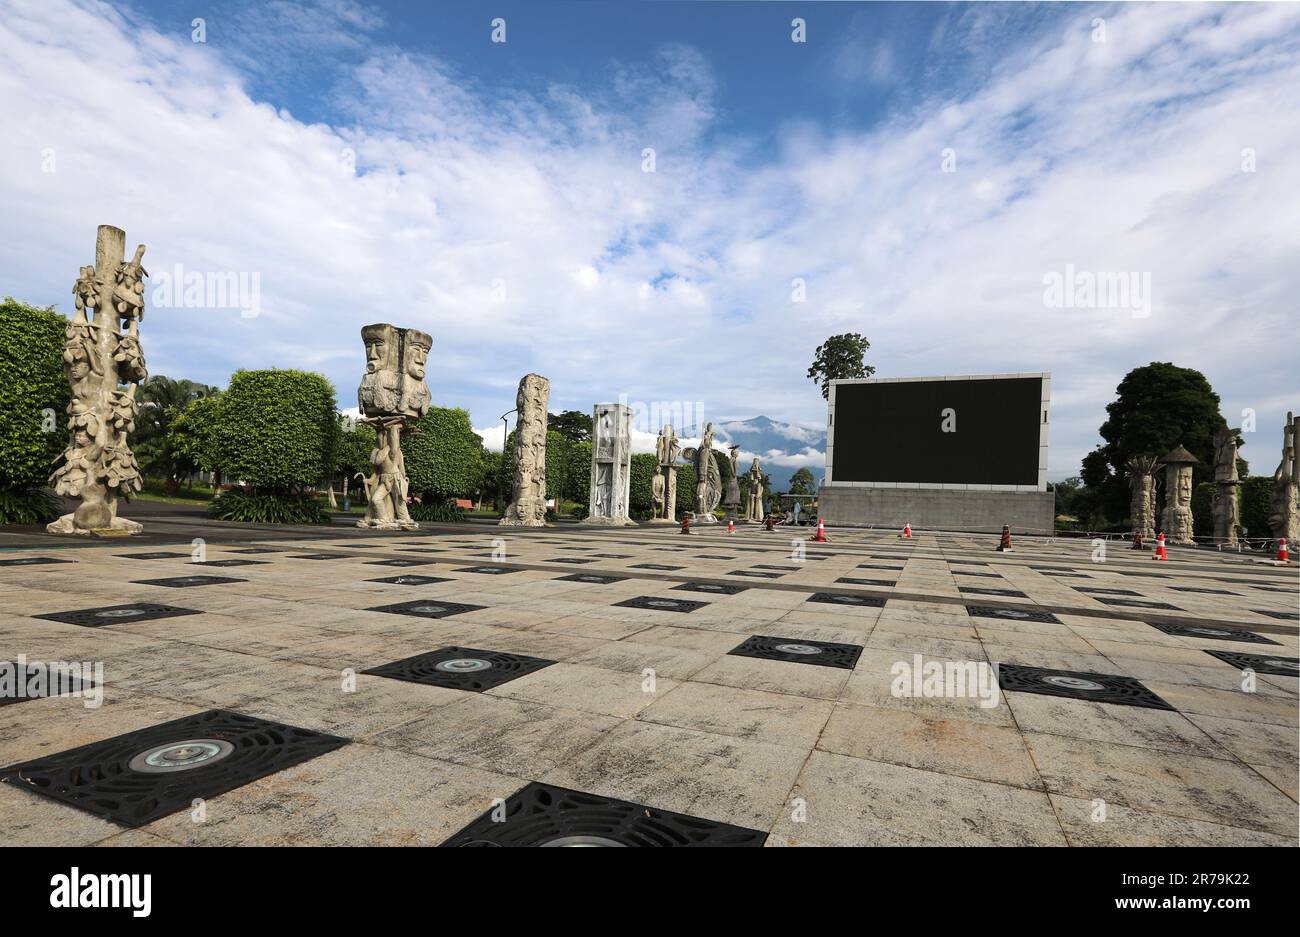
[470, 210]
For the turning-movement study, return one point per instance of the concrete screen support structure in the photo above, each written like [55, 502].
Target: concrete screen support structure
[962, 452]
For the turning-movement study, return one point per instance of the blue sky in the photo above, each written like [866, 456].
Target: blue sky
[922, 169]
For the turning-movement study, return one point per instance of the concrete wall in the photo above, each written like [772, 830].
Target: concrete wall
[1025, 511]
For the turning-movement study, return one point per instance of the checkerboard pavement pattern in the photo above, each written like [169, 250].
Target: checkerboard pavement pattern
[648, 704]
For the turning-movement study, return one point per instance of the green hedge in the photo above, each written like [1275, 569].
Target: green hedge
[267, 507]
[441, 453]
[277, 428]
[1256, 498]
[577, 485]
[27, 506]
[1203, 510]
[33, 394]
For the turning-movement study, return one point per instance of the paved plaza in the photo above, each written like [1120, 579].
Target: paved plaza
[339, 686]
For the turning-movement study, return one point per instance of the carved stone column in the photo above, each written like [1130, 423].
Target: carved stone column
[1176, 519]
[98, 466]
[392, 391]
[1226, 516]
[528, 501]
[611, 465]
[1142, 484]
[1284, 517]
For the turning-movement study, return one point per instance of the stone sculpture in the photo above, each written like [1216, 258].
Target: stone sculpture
[732, 501]
[664, 486]
[754, 503]
[611, 465]
[708, 484]
[528, 501]
[391, 392]
[1226, 517]
[1284, 518]
[1142, 483]
[1176, 519]
[100, 353]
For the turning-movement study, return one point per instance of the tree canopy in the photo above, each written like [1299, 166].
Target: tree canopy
[840, 357]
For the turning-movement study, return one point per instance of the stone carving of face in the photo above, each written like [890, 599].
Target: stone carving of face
[378, 395]
[415, 355]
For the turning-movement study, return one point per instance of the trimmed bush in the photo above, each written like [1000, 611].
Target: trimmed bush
[267, 507]
[33, 394]
[441, 454]
[1255, 498]
[1203, 510]
[277, 429]
[439, 512]
[577, 485]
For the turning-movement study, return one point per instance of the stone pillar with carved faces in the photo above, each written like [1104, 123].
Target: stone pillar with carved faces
[392, 391]
[528, 502]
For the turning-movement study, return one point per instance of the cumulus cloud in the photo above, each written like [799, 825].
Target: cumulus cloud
[518, 228]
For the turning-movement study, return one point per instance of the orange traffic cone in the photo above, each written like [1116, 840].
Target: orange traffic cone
[731, 525]
[1282, 556]
[686, 523]
[907, 532]
[1004, 546]
[821, 532]
[1160, 549]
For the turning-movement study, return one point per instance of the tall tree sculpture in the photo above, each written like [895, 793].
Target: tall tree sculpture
[99, 354]
[1142, 481]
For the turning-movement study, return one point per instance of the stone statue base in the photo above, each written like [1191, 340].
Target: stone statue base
[592, 521]
[703, 519]
[120, 527]
[388, 525]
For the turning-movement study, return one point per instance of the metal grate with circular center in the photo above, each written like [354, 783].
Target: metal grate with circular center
[798, 650]
[1260, 663]
[1211, 632]
[424, 608]
[542, 815]
[1071, 684]
[138, 777]
[590, 577]
[847, 598]
[1011, 614]
[461, 668]
[117, 614]
[717, 588]
[661, 604]
[33, 561]
[185, 582]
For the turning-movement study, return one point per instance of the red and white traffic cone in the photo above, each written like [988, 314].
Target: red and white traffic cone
[731, 525]
[821, 532]
[1161, 553]
[1004, 545]
[686, 523]
[907, 532]
[1282, 556]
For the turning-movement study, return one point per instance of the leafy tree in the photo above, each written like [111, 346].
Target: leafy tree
[1256, 503]
[1157, 407]
[352, 454]
[192, 439]
[578, 472]
[33, 400]
[803, 482]
[442, 454]
[277, 428]
[160, 400]
[840, 357]
[573, 425]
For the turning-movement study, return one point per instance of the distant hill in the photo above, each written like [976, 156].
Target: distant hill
[782, 448]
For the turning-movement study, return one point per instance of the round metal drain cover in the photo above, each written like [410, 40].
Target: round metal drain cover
[660, 603]
[428, 609]
[119, 613]
[1286, 664]
[1210, 631]
[582, 841]
[180, 756]
[462, 665]
[1072, 683]
[1011, 613]
[799, 649]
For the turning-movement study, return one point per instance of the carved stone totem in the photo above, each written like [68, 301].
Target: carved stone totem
[391, 392]
[708, 484]
[664, 486]
[1142, 483]
[528, 501]
[1284, 517]
[1176, 519]
[1226, 516]
[99, 354]
[754, 503]
[611, 465]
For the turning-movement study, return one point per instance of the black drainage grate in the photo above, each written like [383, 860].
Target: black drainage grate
[426, 608]
[569, 559]
[461, 668]
[34, 561]
[118, 614]
[138, 777]
[847, 598]
[1073, 684]
[784, 569]
[967, 572]
[1284, 616]
[260, 550]
[1139, 603]
[1260, 663]
[713, 556]
[152, 556]
[318, 556]
[1013, 614]
[21, 681]
[1047, 572]
[487, 570]
[855, 581]
[983, 591]
[398, 562]
[900, 569]
[234, 563]
[1212, 632]
[799, 651]
[654, 566]
[590, 577]
[412, 580]
[541, 815]
[660, 604]
[185, 582]
[613, 556]
[1090, 590]
[1200, 589]
[755, 574]
[421, 550]
[717, 588]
